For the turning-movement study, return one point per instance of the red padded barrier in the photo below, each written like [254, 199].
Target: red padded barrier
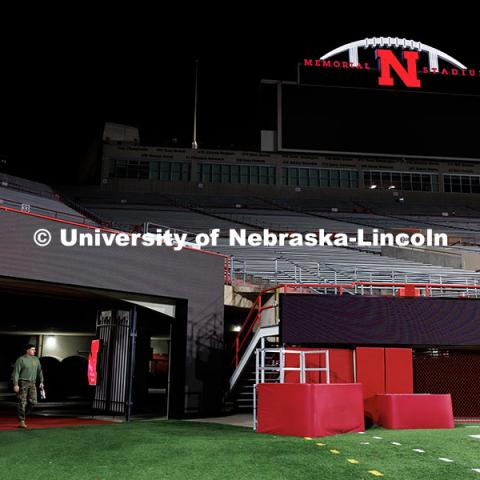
[398, 370]
[405, 411]
[370, 363]
[309, 410]
[341, 365]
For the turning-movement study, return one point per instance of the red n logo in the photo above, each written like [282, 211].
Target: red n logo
[388, 60]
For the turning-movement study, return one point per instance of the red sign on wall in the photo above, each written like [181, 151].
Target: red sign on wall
[92, 362]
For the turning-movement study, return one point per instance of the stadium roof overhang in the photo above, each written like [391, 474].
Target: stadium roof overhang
[10, 285]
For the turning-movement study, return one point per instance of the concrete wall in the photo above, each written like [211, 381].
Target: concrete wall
[471, 261]
[424, 255]
[276, 159]
[461, 259]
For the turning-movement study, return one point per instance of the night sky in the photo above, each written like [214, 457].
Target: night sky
[59, 85]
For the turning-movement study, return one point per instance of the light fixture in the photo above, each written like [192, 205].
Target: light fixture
[51, 342]
[372, 187]
[236, 328]
[391, 187]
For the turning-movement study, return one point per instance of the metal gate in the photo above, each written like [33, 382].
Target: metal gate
[450, 371]
[116, 330]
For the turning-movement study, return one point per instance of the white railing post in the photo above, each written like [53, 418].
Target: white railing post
[282, 365]
[262, 343]
[327, 364]
[302, 367]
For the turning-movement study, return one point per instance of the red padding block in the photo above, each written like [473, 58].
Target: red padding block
[341, 365]
[371, 373]
[406, 411]
[309, 410]
[398, 370]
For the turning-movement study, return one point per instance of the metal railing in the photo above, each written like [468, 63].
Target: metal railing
[261, 367]
[270, 270]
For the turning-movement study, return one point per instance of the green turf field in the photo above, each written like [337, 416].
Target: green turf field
[188, 451]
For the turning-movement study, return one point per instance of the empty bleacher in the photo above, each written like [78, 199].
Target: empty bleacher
[201, 213]
[41, 202]
[336, 265]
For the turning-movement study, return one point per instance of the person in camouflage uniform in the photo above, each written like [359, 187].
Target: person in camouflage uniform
[26, 372]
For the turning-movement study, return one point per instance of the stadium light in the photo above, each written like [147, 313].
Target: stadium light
[372, 187]
[391, 187]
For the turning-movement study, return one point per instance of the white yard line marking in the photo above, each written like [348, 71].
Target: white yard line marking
[474, 436]
[445, 460]
[364, 443]
[378, 438]
[419, 450]
[472, 426]
[395, 443]
[476, 470]
[361, 433]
